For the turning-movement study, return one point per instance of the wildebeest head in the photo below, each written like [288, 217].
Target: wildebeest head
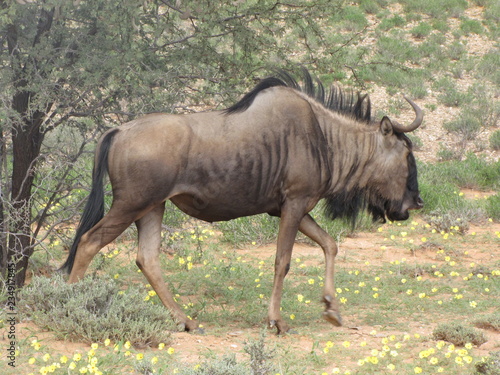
[397, 186]
[390, 187]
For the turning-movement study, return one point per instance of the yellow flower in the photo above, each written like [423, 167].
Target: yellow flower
[170, 350]
[292, 316]
[31, 360]
[107, 342]
[94, 346]
[373, 360]
[63, 359]
[391, 367]
[346, 344]
[77, 357]
[72, 366]
[154, 360]
[139, 356]
[418, 370]
[433, 361]
[161, 346]
[310, 281]
[127, 345]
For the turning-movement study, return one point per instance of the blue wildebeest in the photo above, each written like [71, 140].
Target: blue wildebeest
[280, 150]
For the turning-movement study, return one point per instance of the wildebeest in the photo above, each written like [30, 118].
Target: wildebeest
[280, 150]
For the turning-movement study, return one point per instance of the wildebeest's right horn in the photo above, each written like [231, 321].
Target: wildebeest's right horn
[419, 116]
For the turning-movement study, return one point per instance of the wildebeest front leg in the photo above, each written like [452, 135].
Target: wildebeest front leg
[149, 230]
[312, 230]
[289, 224]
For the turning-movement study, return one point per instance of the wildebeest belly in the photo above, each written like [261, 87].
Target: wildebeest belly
[223, 207]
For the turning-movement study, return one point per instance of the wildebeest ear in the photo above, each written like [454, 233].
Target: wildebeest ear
[386, 126]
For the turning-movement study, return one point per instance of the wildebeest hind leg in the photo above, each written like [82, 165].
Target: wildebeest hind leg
[149, 229]
[312, 230]
[106, 230]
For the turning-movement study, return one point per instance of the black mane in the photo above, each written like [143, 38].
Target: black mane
[356, 106]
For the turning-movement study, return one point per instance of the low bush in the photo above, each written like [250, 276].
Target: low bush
[495, 140]
[489, 365]
[458, 334]
[489, 322]
[94, 310]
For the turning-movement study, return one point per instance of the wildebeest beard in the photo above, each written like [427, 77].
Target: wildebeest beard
[347, 205]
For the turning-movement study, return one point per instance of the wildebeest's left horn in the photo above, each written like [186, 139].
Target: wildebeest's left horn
[419, 116]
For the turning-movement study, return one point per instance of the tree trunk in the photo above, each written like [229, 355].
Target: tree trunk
[26, 143]
[27, 138]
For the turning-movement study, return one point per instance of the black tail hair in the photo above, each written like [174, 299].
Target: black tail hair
[94, 208]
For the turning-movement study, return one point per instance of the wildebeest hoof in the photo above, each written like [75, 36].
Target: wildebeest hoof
[198, 331]
[280, 326]
[190, 326]
[333, 317]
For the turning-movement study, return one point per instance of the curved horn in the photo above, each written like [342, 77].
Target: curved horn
[419, 116]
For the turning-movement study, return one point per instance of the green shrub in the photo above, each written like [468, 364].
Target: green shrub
[258, 229]
[260, 362]
[489, 365]
[491, 321]
[351, 18]
[458, 334]
[390, 23]
[448, 222]
[467, 126]
[437, 9]
[473, 172]
[493, 206]
[456, 50]
[495, 140]
[227, 365]
[469, 26]
[93, 310]
[449, 95]
[422, 30]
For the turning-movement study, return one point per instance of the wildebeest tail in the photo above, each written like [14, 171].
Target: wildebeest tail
[94, 208]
